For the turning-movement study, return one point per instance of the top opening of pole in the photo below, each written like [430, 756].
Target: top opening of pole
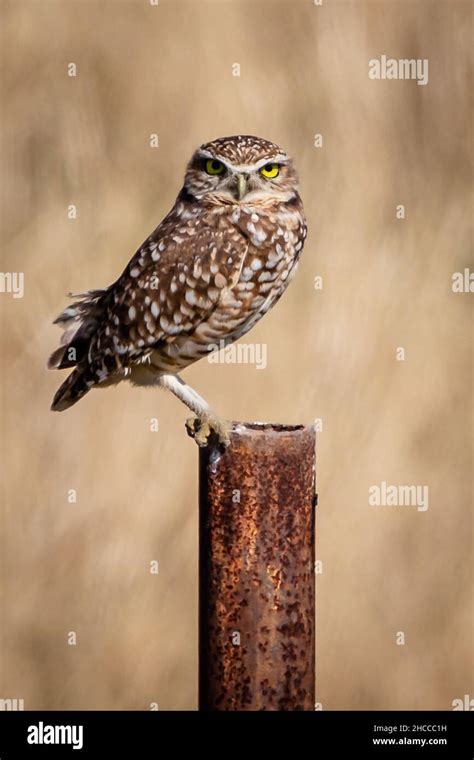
[267, 427]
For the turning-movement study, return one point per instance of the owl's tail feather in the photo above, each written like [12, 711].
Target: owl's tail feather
[79, 322]
[72, 390]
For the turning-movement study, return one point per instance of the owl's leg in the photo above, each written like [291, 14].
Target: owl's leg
[207, 422]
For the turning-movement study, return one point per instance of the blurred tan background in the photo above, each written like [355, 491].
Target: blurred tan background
[84, 566]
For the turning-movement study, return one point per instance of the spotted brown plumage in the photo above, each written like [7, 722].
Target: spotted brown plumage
[211, 269]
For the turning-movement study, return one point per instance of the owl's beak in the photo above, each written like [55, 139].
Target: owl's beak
[242, 180]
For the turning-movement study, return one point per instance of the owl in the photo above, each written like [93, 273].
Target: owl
[212, 268]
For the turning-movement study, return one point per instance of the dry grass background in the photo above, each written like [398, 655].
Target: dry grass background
[387, 283]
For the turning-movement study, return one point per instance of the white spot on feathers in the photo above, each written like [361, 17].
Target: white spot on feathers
[220, 281]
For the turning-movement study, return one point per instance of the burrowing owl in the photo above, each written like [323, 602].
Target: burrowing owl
[211, 269]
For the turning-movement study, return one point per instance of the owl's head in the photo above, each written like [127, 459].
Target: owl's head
[241, 169]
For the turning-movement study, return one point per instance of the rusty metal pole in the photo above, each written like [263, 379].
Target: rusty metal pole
[256, 570]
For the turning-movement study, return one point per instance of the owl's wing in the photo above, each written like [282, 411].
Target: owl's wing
[173, 283]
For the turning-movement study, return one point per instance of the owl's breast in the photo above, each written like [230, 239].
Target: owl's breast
[275, 240]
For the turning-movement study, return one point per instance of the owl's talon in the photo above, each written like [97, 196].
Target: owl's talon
[209, 429]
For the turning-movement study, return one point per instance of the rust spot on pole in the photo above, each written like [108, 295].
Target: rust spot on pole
[256, 570]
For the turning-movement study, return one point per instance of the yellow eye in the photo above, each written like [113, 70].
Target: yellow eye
[270, 171]
[214, 167]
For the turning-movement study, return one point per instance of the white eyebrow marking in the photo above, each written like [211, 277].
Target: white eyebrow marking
[204, 153]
